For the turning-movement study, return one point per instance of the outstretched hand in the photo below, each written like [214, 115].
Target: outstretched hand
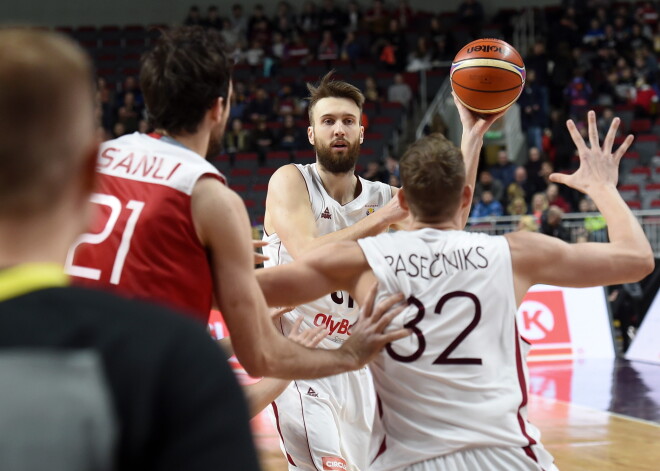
[367, 334]
[475, 123]
[598, 165]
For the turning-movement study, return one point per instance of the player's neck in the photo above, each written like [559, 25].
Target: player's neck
[197, 142]
[449, 225]
[37, 240]
[342, 187]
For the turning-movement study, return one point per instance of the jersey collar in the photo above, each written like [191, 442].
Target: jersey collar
[22, 279]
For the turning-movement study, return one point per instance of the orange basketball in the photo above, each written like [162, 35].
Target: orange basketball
[487, 75]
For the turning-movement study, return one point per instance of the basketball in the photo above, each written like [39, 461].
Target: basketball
[487, 75]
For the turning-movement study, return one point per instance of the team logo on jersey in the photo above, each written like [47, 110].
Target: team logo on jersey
[326, 214]
[370, 210]
[311, 392]
[333, 463]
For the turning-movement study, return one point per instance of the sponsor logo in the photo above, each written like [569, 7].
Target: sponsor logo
[340, 326]
[311, 392]
[333, 463]
[542, 320]
[370, 211]
[486, 48]
[326, 214]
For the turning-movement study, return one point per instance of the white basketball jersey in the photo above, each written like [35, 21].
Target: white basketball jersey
[460, 380]
[336, 311]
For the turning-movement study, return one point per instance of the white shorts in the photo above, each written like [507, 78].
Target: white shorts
[482, 459]
[325, 424]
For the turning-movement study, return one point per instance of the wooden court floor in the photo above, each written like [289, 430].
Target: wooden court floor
[592, 417]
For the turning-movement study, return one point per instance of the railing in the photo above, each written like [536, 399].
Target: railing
[575, 224]
[524, 30]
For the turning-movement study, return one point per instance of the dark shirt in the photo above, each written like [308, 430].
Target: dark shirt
[176, 400]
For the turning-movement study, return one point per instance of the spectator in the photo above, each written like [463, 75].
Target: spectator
[298, 49]
[441, 53]
[239, 100]
[520, 187]
[131, 85]
[403, 14]
[263, 139]
[376, 18]
[645, 100]
[290, 136]
[331, 18]
[533, 118]
[487, 206]
[212, 19]
[260, 108]
[400, 92]
[375, 172]
[237, 138]
[328, 49]
[552, 224]
[278, 47]
[254, 56]
[350, 49]
[517, 207]
[488, 183]
[527, 223]
[420, 57]
[471, 15]
[354, 21]
[239, 21]
[594, 224]
[372, 92]
[555, 199]
[258, 25]
[118, 129]
[229, 34]
[286, 102]
[308, 20]
[503, 170]
[539, 206]
[533, 167]
[578, 94]
[193, 18]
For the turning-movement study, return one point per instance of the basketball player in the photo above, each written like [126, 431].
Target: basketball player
[329, 420]
[453, 395]
[170, 231]
[89, 380]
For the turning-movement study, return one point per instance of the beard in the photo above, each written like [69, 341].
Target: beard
[215, 142]
[338, 161]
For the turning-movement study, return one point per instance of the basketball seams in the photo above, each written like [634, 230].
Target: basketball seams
[486, 91]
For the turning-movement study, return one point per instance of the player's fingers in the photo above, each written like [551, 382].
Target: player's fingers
[608, 143]
[369, 302]
[384, 321]
[256, 243]
[259, 258]
[560, 178]
[396, 335]
[623, 148]
[593, 130]
[314, 337]
[383, 308]
[278, 312]
[575, 135]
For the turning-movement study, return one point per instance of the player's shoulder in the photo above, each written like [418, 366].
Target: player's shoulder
[290, 177]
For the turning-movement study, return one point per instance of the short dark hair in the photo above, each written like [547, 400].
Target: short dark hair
[433, 175]
[182, 76]
[329, 88]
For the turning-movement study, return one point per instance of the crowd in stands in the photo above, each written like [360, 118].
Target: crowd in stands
[588, 54]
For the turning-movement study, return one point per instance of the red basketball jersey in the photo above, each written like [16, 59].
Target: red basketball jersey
[142, 242]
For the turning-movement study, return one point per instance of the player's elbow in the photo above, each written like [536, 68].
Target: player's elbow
[641, 264]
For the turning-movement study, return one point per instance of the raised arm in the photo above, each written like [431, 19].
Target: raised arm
[289, 214]
[472, 139]
[626, 258]
[222, 225]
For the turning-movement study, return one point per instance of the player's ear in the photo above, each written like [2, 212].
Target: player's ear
[218, 108]
[310, 134]
[361, 134]
[466, 197]
[401, 195]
